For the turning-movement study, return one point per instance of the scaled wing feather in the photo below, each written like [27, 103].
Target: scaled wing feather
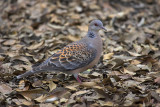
[73, 56]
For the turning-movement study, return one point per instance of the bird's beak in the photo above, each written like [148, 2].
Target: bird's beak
[104, 28]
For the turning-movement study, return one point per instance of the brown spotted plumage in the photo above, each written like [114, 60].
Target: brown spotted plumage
[75, 57]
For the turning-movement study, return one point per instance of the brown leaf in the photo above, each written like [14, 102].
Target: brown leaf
[1, 58]
[32, 94]
[47, 105]
[21, 67]
[35, 46]
[88, 84]
[52, 96]
[72, 87]
[155, 95]
[71, 38]
[135, 62]
[131, 83]
[108, 56]
[22, 102]
[52, 85]
[5, 89]
[83, 28]
[95, 75]
[9, 42]
[44, 98]
[116, 62]
[129, 72]
[157, 80]
[108, 103]
[17, 47]
[12, 54]
[129, 99]
[137, 48]
[81, 92]
[158, 91]
[133, 53]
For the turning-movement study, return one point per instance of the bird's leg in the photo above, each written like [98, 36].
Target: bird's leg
[77, 78]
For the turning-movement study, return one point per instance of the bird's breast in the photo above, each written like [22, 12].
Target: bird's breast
[97, 45]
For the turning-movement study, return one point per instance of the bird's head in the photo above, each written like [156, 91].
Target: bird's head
[96, 25]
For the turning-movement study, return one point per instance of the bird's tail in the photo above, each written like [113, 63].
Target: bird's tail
[25, 74]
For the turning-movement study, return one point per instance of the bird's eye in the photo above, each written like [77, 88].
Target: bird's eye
[96, 24]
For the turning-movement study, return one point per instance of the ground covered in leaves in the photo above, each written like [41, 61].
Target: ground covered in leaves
[128, 73]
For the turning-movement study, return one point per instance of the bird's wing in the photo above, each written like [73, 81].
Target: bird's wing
[69, 58]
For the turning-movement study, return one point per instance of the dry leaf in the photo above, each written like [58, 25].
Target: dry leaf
[135, 62]
[157, 80]
[83, 28]
[35, 46]
[45, 98]
[32, 94]
[88, 84]
[116, 62]
[129, 99]
[81, 92]
[96, 74]
[108, 56]
[2, 58]
[158, 91]
[52, 85]
[108, 103]
[52, 96]
[47, 105]
[128, 72]
[9, 42]
[17, 47]
[72, 87]
[5, 89]
[23, 102]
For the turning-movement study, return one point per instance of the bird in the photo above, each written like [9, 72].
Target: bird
[76, 57]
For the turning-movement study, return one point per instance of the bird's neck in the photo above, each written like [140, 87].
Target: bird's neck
[92, 34]
[94, 40]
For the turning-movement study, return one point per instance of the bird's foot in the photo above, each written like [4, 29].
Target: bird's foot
[78, 78]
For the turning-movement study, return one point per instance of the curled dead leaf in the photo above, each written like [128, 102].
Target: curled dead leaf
[157, 80]
[128, 72]
[21, 58]
[81, 92]
[9, 42]
[52, 85]
[70, 38]
[135, 62]
[83, 28]
[51, 96]
[108, 103]
[33, 94]
[88, 84]
[137, 48]
[1, 58]
[36, 45]
[72, 87]
[5, 89]
[21, 67]
[129, 99]
[108, 56]
[22, 102]
[95, 74]
[116, 62]
[17, 47]
[45, 98]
